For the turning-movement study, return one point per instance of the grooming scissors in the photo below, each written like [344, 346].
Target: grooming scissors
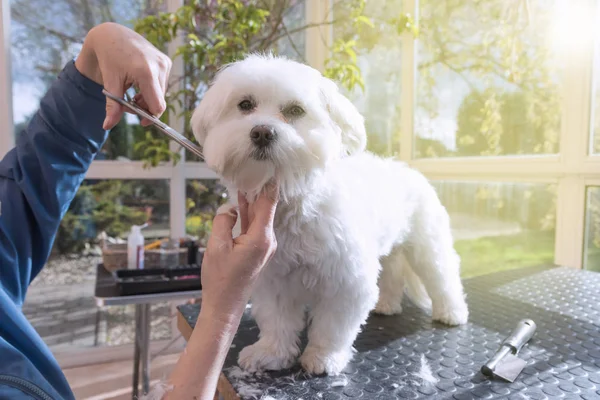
[164, 128]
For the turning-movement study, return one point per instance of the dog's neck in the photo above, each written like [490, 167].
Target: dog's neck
[300, 195]
[301, 185]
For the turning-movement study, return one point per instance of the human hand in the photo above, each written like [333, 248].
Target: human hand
[117, 58]
[230, 266]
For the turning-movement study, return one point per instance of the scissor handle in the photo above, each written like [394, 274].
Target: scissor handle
[135, 108]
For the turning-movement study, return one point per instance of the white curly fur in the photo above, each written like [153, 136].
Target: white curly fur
[353, 230]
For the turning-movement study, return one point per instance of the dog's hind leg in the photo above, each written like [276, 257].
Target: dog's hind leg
[431, 254]
[391, 283]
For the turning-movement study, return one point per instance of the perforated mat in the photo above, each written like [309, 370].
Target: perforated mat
[563, 358]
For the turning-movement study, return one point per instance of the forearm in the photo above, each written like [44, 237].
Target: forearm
[40, 176]
[197, 372]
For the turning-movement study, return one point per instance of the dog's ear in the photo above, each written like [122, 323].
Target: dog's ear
[199, 120]
[345, 115]
[209, 108]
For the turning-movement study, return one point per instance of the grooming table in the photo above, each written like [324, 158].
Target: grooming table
[563, 358]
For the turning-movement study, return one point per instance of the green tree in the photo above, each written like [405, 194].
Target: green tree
[220, 32]
[107, 206]
[46, 35]
[49, 33]
[203, 199]
[518, 134]
[489, 47]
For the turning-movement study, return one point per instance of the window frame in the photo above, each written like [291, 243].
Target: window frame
[595, 85]
[589, 183]
[6, 113]
[573, 169]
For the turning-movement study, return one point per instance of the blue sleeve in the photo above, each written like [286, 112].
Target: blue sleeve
[41, 175]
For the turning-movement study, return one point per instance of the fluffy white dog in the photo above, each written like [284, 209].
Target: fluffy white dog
[351, 228]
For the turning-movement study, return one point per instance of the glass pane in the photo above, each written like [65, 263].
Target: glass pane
[45, 36]
[500, 226]
[60, 302]
[379, 60]
[592, 230]
[203, 198]
[293, 45]
[596, 97]
[488, 77]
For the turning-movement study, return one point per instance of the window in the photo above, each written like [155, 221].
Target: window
[592, 229]
[596, 98]
[293, 45]
[379, 61]
[60, 302]
[500, 226]
[47, 36]
[488, 78]
[203, 198]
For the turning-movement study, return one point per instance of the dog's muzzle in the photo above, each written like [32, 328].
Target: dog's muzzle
[262, 137]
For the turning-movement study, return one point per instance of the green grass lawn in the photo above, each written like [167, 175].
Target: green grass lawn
[499, 253]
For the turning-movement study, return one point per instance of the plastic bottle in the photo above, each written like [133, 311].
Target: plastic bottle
[135, 248]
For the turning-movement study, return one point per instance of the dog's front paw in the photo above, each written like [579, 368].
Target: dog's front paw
[387, 307]
[457, 314]
[263, 355]
[317, 361]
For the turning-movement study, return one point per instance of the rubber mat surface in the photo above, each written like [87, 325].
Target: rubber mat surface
[563, 358]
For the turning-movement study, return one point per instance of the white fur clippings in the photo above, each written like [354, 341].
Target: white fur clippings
[354, 231]
[340, 382]
[425, 373]
[158, 391]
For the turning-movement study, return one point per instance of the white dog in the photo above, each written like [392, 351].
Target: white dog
[351, 228]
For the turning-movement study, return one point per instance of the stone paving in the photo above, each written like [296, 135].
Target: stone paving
[61, 307]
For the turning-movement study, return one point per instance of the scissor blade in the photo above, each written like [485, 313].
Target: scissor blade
[164, 128]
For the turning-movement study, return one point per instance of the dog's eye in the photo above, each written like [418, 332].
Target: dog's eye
[294, 111]
[246, 105]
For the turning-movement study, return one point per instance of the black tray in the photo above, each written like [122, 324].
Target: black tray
[157, 280]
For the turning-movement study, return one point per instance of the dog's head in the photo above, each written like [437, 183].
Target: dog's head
[266, 117]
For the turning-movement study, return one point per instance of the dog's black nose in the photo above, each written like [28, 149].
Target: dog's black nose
[263, 135]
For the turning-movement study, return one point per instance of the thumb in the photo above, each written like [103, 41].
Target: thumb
[222, 226]
[114, 111]
[264, 209]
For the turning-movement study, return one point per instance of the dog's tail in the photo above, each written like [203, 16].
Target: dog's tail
[415, 290]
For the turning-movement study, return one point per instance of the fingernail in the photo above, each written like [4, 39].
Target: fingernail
[105, 124]
[223, 210]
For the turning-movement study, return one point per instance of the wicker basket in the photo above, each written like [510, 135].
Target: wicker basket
[114, 256]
